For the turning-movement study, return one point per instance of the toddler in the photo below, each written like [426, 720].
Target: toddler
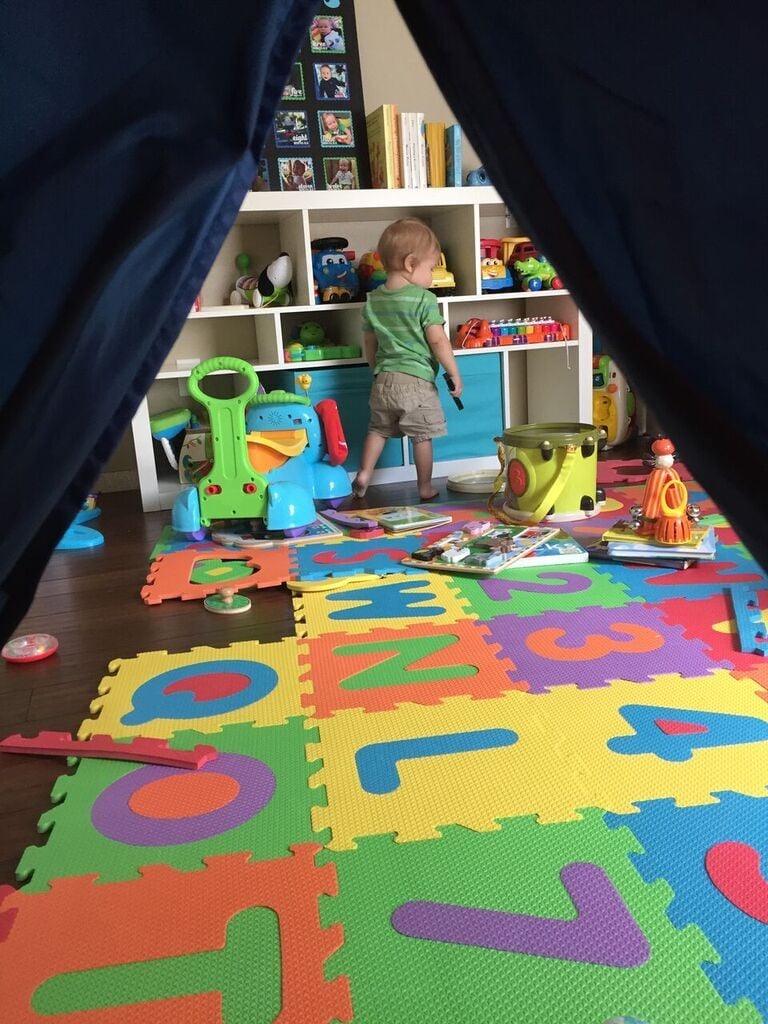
[405, 343]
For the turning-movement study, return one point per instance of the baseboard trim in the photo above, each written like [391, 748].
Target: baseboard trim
[122, 480]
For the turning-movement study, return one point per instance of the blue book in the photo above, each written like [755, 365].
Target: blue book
[453, 172]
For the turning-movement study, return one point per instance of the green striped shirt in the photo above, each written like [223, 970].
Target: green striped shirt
[399, 320]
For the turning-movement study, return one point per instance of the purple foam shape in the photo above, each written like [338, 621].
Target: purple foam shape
[600, 629]
[603, 931]
[500, 589]
[113, 816]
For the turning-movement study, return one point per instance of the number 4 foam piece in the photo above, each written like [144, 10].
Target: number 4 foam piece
[142, 749]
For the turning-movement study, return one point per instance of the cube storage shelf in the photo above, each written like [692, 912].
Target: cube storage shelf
[503, 386]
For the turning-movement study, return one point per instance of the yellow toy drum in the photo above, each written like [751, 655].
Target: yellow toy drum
[549, 472]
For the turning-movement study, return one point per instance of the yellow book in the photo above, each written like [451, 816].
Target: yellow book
[379, 130]
[435, 135]
[622, 532]
[394, 119]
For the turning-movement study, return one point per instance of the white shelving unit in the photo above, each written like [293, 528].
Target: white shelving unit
[541, 382]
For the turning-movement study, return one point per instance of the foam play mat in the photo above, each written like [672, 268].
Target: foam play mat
[540, 797]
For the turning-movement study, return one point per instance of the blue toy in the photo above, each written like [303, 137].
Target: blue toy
[79, 537]
[292, 441]
[336, 279]
[269, 463]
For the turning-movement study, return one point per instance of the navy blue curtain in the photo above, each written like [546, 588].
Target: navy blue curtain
[130, 134]
[631, 138]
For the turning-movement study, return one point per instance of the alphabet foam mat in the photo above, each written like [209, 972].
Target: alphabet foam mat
[541, 797]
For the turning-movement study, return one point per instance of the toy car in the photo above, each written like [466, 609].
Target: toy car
[443, 281]
[494, 273]
[335, 277]
[517, 247]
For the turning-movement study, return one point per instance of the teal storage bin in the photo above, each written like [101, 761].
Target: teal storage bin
[350, 386]
[471, 430]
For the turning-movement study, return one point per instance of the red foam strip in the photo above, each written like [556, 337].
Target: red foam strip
[142, 749]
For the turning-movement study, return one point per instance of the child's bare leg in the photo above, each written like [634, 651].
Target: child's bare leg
[373, 445]
[422, 456]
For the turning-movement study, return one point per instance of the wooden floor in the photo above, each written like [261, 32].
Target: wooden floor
[90, 601]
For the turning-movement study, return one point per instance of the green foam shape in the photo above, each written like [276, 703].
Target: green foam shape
[395, 670]
[246, 972]
[516, 869]
[75, 847]
[602, 592]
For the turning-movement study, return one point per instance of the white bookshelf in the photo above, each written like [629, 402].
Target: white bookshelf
[549, 381]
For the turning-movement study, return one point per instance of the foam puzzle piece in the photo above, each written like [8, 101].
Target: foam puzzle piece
[603, 931]
[711, 621]
[350, 558]
[202, 689]
[466, 787]
[590, 728]
[705, 579]
[516, 871]
[735, 870]
[141, 749]
[138, 953]
[678, 844]
[726, 535]
[564, 752]
[526, 592]
[422, 664]
[112, 818]
[171, 575]
[397, 601]
[592, 646]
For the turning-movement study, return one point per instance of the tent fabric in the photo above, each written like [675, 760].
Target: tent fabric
[130, 136]
[631, 139]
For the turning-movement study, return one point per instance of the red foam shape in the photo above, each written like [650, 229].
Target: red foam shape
[210, 685]
[142, 749]
[674, 728]
[734, 870]
[6, 916]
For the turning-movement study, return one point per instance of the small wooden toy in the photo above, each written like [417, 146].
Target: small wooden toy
[454, 554]
[227, 602]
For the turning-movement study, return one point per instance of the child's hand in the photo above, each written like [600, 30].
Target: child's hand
[458, 387]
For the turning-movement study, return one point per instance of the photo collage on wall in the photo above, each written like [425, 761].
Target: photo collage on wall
[318, 136]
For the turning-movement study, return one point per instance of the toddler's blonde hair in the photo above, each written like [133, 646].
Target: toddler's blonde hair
[406, 237]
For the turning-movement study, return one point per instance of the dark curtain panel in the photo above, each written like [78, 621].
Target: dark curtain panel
[129, 136]
[631, 139]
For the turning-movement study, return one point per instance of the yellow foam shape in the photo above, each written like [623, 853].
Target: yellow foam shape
[729, 625]
[560, 763]
[314, 610]
[470, 789]
[583, 721]
[117, 690]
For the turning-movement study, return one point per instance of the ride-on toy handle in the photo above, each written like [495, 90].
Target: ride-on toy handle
[222, 363]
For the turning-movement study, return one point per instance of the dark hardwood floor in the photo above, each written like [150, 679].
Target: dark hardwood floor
[90, 601]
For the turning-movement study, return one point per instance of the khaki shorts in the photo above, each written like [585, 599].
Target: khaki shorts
[403, 405]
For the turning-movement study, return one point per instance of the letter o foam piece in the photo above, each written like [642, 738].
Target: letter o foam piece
[114, 817]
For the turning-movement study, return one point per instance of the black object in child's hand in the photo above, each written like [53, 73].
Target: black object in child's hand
[449, 381]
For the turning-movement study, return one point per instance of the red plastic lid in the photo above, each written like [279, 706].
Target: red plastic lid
[32, 647]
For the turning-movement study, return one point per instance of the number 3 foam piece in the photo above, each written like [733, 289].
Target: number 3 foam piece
[171, 575]
[142, 749]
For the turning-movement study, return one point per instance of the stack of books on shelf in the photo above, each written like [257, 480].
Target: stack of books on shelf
[408, 152]
[623, 544]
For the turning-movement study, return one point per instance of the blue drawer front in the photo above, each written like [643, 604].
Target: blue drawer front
[350, 386]
[471, 430]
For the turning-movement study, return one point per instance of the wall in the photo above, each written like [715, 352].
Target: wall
[393, 71]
